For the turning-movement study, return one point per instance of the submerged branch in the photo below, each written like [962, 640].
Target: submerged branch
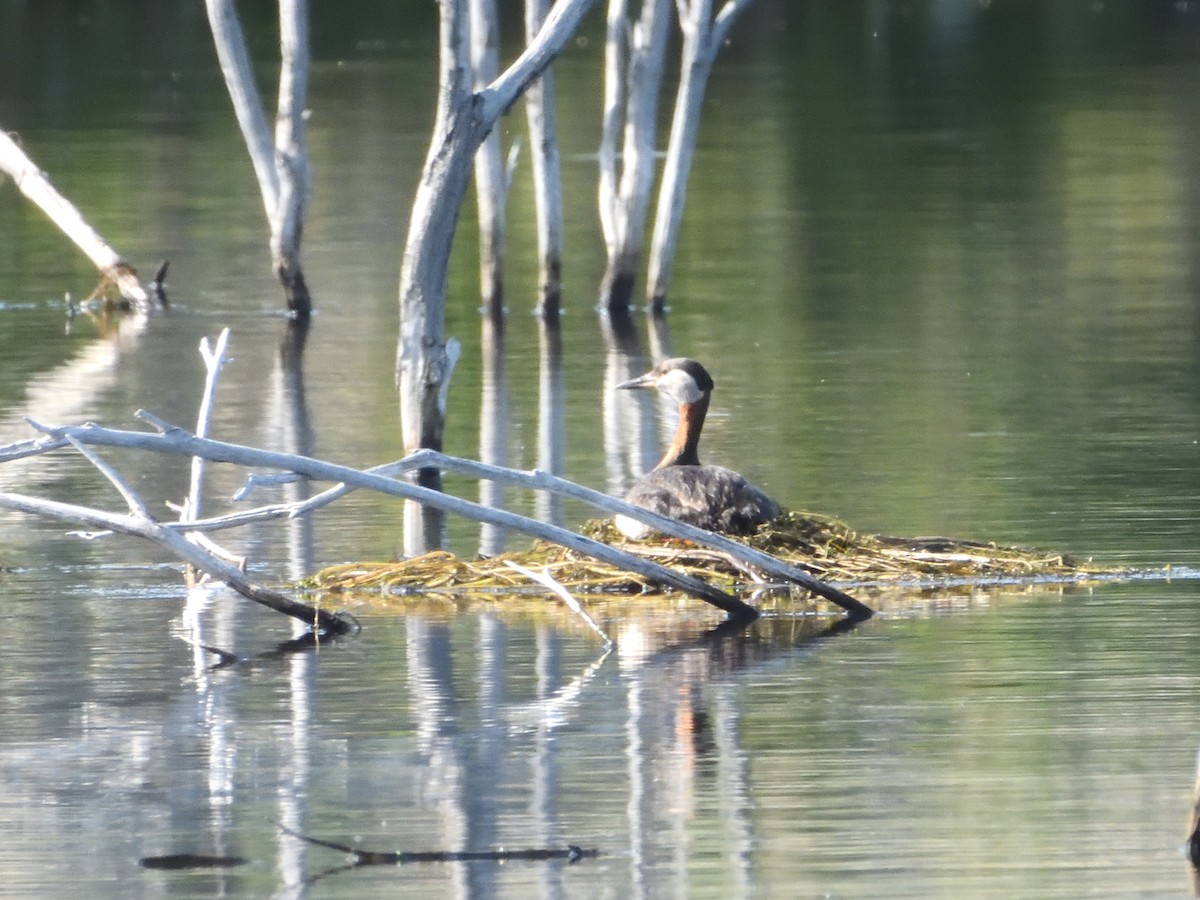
[570, 853]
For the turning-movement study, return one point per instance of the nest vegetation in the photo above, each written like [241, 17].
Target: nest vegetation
[825, 547]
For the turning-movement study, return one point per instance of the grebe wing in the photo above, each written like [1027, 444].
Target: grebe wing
[711, 497]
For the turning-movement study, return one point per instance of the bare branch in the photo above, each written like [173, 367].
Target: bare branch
[136, 506]
[545, 481]
[725, 19]
[141, 526]
[239, 79]
[545, 578]
[180, 442]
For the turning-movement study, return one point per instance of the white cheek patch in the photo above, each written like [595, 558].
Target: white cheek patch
[679, 386]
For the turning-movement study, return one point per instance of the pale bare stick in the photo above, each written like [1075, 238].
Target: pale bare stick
[280, 162]
[703, 37]
[544, 578]
[464, 118]
[132, 500]
[214, 358]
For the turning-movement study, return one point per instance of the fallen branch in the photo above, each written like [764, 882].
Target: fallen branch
[171, 439]
[140, 524]
[180, 442]
[34, 184]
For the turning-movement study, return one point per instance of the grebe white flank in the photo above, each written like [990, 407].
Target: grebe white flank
[681, 488]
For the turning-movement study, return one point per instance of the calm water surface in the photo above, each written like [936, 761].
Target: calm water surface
[943, 267]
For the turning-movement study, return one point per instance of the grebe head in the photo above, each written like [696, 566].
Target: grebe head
[687, 383]
[683, 380]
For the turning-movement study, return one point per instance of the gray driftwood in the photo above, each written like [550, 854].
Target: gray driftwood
[178, 441]
[140, 523]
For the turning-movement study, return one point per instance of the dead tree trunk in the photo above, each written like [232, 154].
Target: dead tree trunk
[633, 76]
[291, 156]
[547, 178]
[281, 163]
[424, 364]
[34, 184]
[490, 186]
[464, 118]
[702, 39]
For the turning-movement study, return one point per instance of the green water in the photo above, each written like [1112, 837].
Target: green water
[941, 261]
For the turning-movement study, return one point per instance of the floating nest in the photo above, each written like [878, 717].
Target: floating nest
[826, 548]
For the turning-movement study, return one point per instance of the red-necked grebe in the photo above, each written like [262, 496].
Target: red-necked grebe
[679, 487]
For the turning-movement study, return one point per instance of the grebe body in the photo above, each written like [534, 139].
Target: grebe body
[679, 487]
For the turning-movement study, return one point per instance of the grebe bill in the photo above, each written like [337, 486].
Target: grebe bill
[679, 487]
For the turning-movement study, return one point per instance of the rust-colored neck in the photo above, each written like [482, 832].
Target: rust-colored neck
[684, 447]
